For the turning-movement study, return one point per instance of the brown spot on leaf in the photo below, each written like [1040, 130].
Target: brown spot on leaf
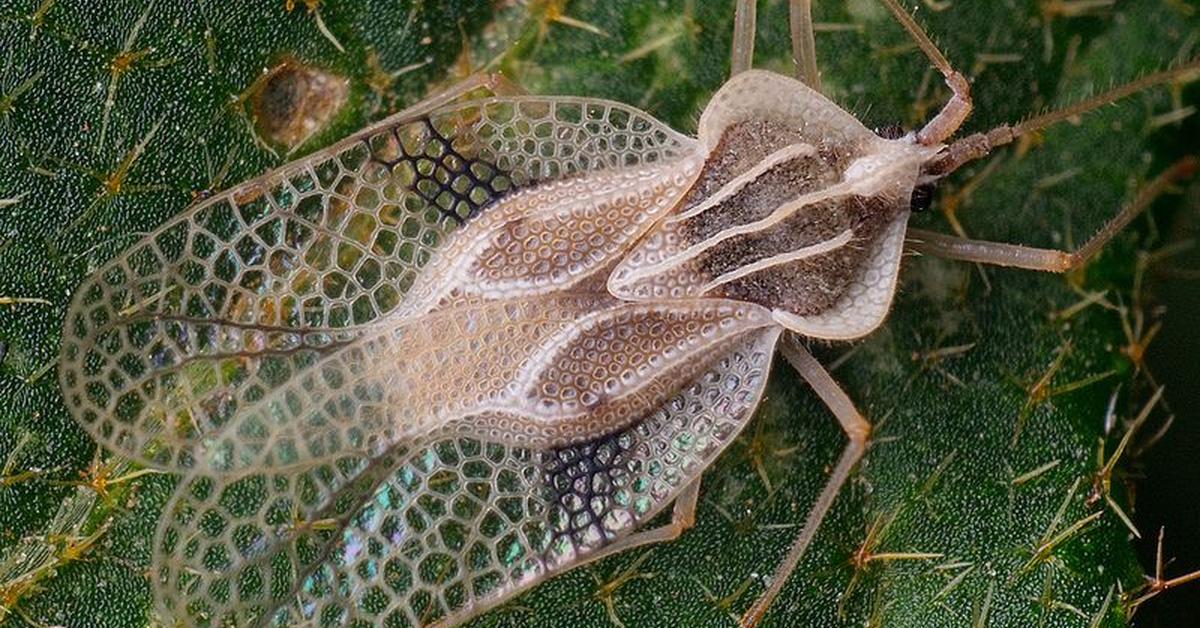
[293, 101]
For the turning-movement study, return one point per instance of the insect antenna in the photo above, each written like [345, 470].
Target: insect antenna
[979, 145]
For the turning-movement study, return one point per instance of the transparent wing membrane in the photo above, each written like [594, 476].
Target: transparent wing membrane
[245, 291]
[441, 530]
[367, 365]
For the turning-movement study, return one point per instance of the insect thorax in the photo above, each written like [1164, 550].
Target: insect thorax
[797, 207]
[757, 226]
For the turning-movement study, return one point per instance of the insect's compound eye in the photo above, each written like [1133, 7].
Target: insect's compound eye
[922, 197]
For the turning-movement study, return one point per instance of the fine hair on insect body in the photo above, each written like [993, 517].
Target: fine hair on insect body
[428, 367]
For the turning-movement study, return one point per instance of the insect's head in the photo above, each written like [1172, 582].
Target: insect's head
[922, 194]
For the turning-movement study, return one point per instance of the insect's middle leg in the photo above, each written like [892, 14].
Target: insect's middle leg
[955, 111]
[857, 428]
[682, 517]
[1049, 260]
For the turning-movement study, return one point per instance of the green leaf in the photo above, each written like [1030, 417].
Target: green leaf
[947, 380]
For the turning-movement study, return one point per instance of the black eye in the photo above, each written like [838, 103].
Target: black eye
[922, 197]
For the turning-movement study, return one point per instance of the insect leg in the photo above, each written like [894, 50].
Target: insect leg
[804, 45]
[956, 110]
[494, 82]
[1050, 260]
[857, 428]
[744, 19]
[501, 85]
[978, 145]
[683, 516]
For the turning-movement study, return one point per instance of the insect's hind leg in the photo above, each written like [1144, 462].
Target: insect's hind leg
[958, 108]
[1049, 260]
[683, 516]
[857, 429]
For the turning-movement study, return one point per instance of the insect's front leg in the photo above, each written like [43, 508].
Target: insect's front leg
[958, 108]
[857, 428]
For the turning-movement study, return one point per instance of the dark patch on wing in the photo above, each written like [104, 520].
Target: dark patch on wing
[457, 185]
[810, 285]
[583, 481]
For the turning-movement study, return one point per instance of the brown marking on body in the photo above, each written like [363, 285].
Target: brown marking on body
[806, 286]
[745, 144]
[742, 145]
[811, 285]
[756, 200]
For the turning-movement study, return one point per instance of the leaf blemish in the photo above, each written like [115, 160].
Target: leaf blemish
[292, 101]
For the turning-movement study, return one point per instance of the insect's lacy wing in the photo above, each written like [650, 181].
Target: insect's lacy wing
[231, 549]
[249, 288]
[544, 371]
[442, 530]
[798, 208]
[398, 383]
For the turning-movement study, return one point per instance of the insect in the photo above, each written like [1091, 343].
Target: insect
[485, 341]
